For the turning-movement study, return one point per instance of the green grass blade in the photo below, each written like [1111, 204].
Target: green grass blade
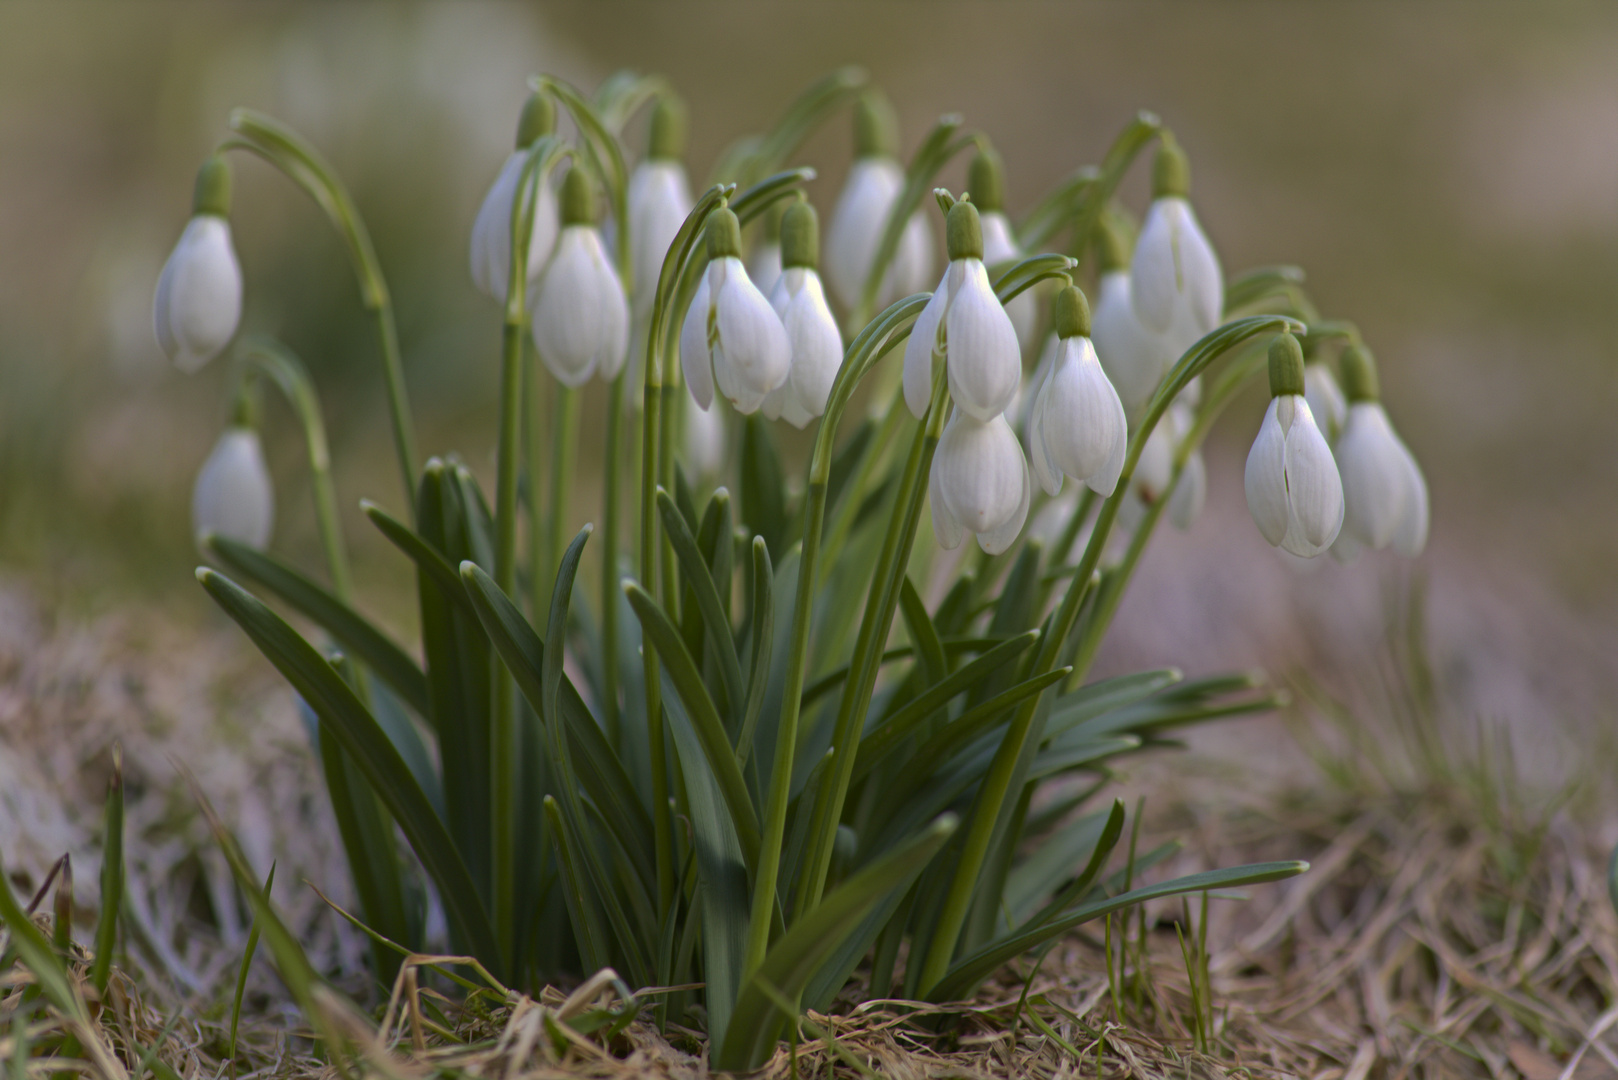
[697, 577]
[1099, 698]
[112, 877]
[929, 649]
[762, 504]
[351, 630]
[342, 714]
[241, 976]
[1044, 870]
[968, 972]
[793, 960]
[762, 621]
[34, 949]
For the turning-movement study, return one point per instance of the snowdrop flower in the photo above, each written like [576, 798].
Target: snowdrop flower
[1078, 425]
[764, 261]
[1154, 472]
[817, 347]
[233, 497]
[1384, 493]
[986, 183]
[580, 317]
[659, 200]
[704, 439]
[1293, 489]
[1176, 287]
[1134, 358]
[965, 325]
[491, 229]
[1185, 504]
[731, 335]
[979, 483]
[1325, 398]
[199, 295]
[861, 216]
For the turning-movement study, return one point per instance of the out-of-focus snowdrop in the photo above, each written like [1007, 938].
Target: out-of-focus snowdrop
[1154, 472]
[704, 439]
[659, 199]
[1293, 488]
[580, 317]
[1384, 492]
[861, 216]
[1077, 427]
[1176, 287]
[199, 294]
[979, 483]
[799, 301]
[1191, 492]
[1325, 399]
[764, 261]
[1134, 358]
[233, 496]
[966, 326]
[731, 336]
[986, 184]
[491, 229]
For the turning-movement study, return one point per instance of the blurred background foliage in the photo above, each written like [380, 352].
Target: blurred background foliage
[1447, 174]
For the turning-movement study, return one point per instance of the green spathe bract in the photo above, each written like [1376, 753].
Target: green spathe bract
[756, 792]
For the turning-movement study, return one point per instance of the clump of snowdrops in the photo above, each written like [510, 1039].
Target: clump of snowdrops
[781, 736]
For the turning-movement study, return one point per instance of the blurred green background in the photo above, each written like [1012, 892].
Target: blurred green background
[1446, 173]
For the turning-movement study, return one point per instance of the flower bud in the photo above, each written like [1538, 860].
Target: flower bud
[491, 229]
[1077, 427]
[199, 294]
[800, 302]
[1293, 489]
[579, 314]
[731, 335]
[659, 199]
[979, 484]
[861, 215]
[1176, 285]
[233, 496]
[1384, 492]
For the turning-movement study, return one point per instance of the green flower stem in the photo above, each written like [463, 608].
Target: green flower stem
[279, 365]
[602, 151]
[564, 450]
[609, 561]
[988, 808]
[861, 354]
[300, 162]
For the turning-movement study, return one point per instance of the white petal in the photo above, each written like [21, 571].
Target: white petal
[1384, 493]
[857, 223]
[816, 343]
[1001, 538]
[912, 266]
[1411, 535]
[1185, 505]
[491, 230]
[199, 294]
[1046, 470]
[946, 529]
[984, 361]
[694, 359]
[1084, 420]
[580, 317]
[1174, 267]
[1133, 357]
[919, 347]
[1265, 478]
[1325, 399]
[704, 439]
[659, 200]
[1314, 489]
[1199, 265]
[999, 245]
[233, 496]
[1155, 467]
[981, 472]
[764, 266]
[753, 356]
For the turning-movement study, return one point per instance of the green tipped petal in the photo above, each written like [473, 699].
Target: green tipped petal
[1286, 366]
[724, 234]
[800, 236]
[964, 232]
[578, 198]
[1360, 382]
[212, 195]
[1071, 313]
[1171, 171]
[876, 129]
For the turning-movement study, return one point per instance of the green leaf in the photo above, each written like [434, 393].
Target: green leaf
[1096, 834]
[426, 557]
[763, 487]
[793, 960]
[722, 647]
[929, 649]
[351, 630]
[1099, 698]
[342, 714]
[112, 876]
[1021, 276]
[762, 621]
[37, 955]
[968, 972]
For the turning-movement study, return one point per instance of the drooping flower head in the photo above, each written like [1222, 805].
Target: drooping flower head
[1077, 426]
[1176, 286]
[491, 230]
[1293, 489]
[985, 181]
[861, 215]
[233, 496]
[579, 314]
[199, 294]
[1325, 398]
[979, 483]
[659, 199]
[799, 301]
[1384, 492]
[1135, 359]
[964, 326]
[731, 336]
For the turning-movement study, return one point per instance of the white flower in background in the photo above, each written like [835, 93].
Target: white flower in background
[1384, 492]
[1176, 286]
[233, 497]
[659, 199]
[199, 295]
[1293, 489]
[861, 217]
[579, 314]
[704, 439]
[986, 184]
[1134, 358]
[1191, 491]
[1077, 427]
[764, 261]
[731, 336]
[979, 483]
[491, 229]
[1154, 472]
[965, 324]
[1325, 399]
[799, 301]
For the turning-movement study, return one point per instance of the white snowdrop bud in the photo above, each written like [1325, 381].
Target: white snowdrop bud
[986, 183]
[233, 497]
[1293, 489]
[731, 335]
[1175, 281]
[979, 483]
[1384, 492]
[491, 229]
[659, 199]
[1077, 427]
[199, 294]
[1325, 398]
[817, 346]
[1134, 358]
[965, 324]
[579, 314]
[861, 216]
